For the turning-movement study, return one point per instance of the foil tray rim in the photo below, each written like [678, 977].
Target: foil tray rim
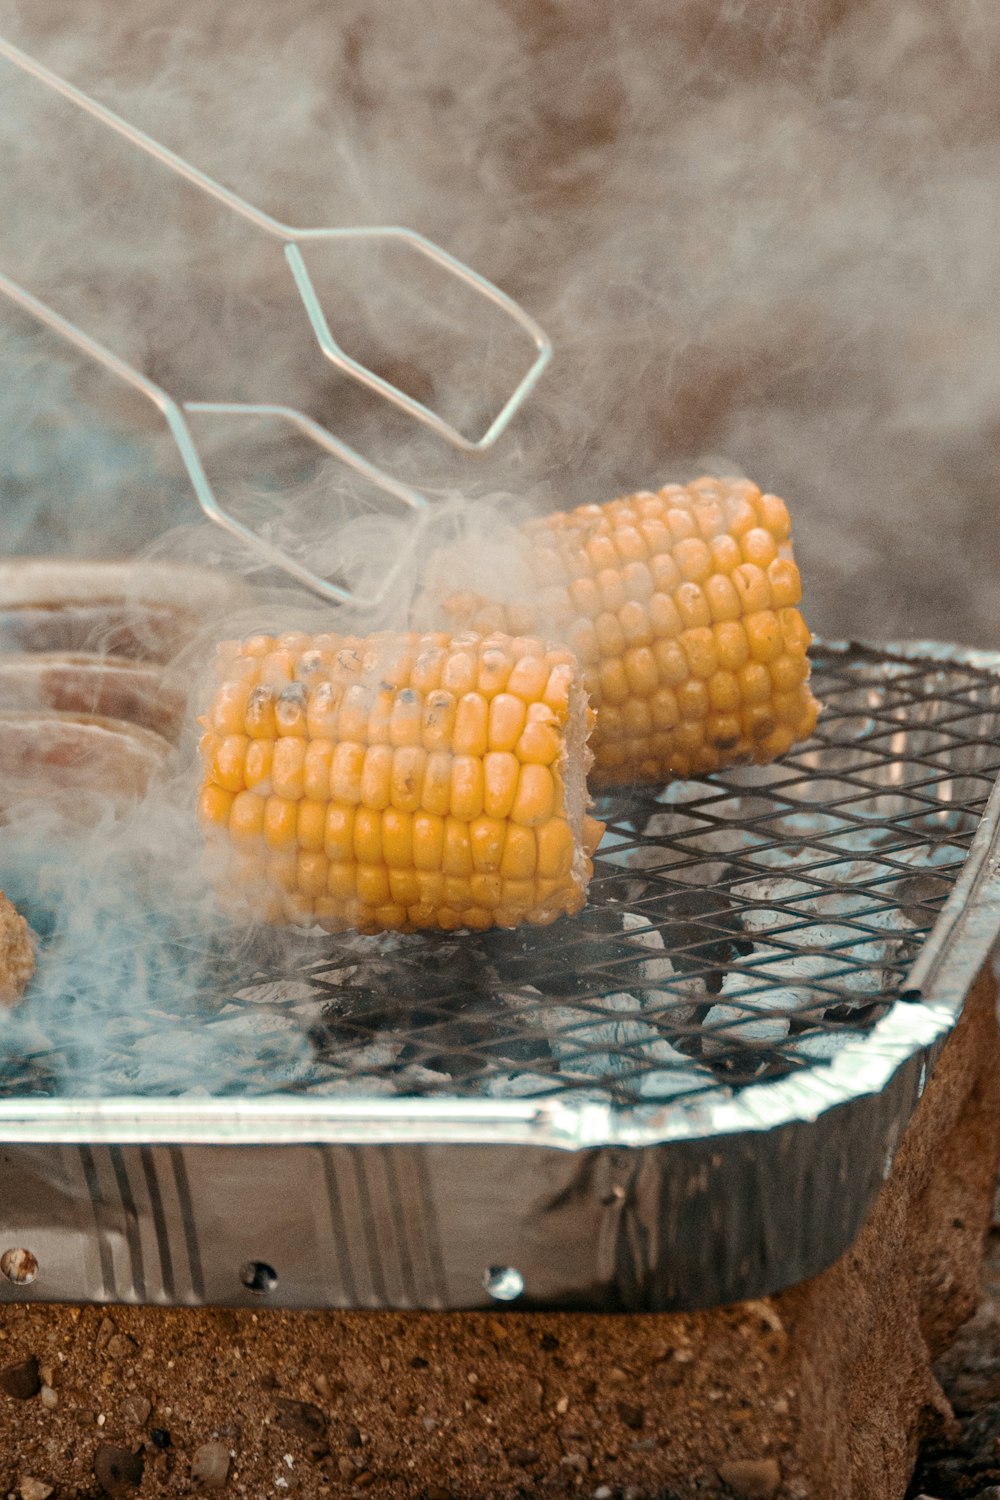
[915, 1025]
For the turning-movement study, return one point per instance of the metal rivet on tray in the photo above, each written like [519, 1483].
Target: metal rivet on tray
[503, 1283]
[258, 1276]
[19, 1266]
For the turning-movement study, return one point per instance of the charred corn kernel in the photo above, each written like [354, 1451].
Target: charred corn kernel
[290, 710]
[438, 724]
[406, 786]
[494, 671]
[437, 783]
[323, 711]
[411, 781]
[651, 590]
[405, 720]
[259, 718]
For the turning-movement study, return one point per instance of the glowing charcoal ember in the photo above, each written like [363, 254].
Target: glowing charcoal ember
[399, 782]
[683, 609]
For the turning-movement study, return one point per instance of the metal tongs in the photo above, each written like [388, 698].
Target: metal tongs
[292, 239]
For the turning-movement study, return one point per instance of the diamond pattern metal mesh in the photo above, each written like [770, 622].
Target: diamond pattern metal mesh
[739, 928]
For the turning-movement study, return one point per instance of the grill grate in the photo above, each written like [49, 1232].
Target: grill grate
[739, 928]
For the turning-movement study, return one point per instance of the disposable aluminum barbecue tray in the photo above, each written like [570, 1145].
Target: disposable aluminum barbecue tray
[689, 1094]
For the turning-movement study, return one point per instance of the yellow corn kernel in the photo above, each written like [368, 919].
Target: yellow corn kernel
[506, 719]
[229, 707]
[311, 824]
[541, 743]
[467, 787]
[486, 838]
[485, 890]
[437, 783]
[246, 818]
[257, 766]
[280, 822]
[459, 672]
[529, 678]
[397, 838]
[554, 849]
[288, 768]
[456, 858]
[342, 879]
[367, 841]
[535, 797]
[374, 803]
[428, 842]
[406, 786]
[520, 853]
[373, 885]
[228, 761]
[403, 888]
[470, 735]
[214, 805]
[311, 872]
[316, 769]
[346, 770]
[764, 634]
[338, 836]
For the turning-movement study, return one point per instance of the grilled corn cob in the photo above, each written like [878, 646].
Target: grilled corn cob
[400, 782]
[682, 608]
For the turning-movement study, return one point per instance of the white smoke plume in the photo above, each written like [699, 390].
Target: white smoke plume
[762, 238]
[766, 233]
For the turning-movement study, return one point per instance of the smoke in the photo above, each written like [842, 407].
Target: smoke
[767, 233]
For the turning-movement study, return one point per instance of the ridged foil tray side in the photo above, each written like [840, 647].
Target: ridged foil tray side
[459, 1203]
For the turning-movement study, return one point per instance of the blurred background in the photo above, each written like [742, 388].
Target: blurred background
[763, 238]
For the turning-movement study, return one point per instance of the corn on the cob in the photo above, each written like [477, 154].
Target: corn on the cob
[400, 782]
[682, 608]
